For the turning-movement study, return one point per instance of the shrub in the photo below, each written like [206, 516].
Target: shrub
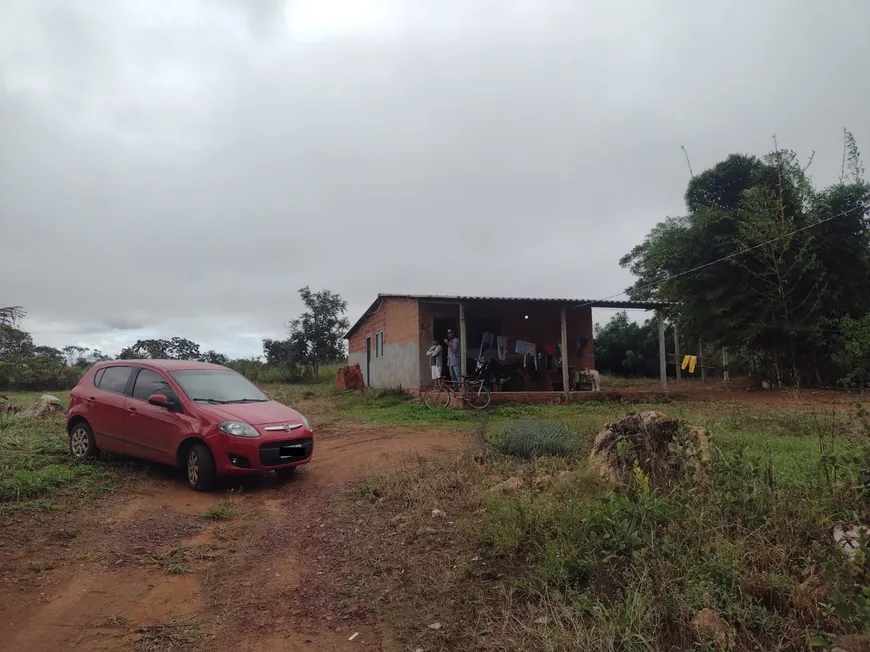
[529, 439]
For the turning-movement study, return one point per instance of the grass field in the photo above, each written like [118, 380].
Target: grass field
[548, 555]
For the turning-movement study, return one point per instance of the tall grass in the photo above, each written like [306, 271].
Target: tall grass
[36, 464]
[581, 566]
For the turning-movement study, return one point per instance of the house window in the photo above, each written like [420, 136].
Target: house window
[379, 345]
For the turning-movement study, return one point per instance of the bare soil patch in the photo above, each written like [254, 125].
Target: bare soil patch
[147, 571]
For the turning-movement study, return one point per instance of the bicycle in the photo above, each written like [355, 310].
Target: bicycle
[473, 392]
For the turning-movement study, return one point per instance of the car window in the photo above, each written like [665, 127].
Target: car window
[149, 382]
[115, 379]
[217, 386]
[98, 377]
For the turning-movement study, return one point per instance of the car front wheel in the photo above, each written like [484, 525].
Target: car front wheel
[201, 474]
[81, 442]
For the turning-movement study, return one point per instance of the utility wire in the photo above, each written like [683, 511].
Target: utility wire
[863, 207]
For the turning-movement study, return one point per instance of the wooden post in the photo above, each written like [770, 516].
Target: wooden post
[566, 381]
[677, 350]
[701, 358]
[463, 345]
[663, 369]
[724, 364]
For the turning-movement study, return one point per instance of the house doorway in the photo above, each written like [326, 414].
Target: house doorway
[440, 326]
[368, 362]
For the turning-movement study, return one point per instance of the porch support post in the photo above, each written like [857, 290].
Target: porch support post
[463, 345]
[677, 349]
[663, 369]
[566, 383]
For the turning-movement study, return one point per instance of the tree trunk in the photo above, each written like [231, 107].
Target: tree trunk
[316, 372]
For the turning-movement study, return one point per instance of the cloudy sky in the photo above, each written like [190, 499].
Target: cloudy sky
[183, 168]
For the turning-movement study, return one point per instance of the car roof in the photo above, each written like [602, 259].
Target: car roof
[167, 365]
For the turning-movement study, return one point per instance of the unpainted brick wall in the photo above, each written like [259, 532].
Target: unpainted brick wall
[398, 319]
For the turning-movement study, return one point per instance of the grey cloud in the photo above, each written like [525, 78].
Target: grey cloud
[187, 169]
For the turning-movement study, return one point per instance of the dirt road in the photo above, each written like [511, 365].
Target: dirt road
[144, 569]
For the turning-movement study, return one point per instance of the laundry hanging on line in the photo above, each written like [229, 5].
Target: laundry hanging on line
[501, 343]
[485, 347]
[689, 361]
[530, 351]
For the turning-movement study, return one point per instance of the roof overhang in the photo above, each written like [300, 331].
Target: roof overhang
[562, 302]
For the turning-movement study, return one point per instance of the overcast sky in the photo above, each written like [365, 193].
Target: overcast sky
[183, 168]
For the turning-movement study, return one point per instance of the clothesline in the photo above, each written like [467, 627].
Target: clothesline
[540, 355]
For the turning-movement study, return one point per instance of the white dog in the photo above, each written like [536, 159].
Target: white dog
[594, 379]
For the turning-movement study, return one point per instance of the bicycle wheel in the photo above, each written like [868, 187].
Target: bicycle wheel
[478, 398]
[437, 397]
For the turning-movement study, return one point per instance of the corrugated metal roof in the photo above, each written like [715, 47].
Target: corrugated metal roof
[595, 303]
[568, 303]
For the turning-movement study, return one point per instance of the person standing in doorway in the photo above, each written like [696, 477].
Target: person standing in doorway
[436, 361]
[454, 357]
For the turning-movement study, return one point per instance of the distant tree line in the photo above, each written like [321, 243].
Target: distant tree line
[314, 339]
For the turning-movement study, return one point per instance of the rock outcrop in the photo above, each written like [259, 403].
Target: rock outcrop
[46, 406]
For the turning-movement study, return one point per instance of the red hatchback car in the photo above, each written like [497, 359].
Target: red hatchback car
[202, 417]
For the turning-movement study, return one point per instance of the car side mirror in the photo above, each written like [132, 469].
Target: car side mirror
[159, 400]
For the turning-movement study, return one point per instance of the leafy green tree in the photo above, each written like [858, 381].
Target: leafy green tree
[15, 342]
[317, 335]
[177, 348]
[624, 347]
[215, 358]
[853, 353]
[75, 356]
[762, 261]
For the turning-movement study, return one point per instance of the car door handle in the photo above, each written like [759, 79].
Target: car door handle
[132, 412]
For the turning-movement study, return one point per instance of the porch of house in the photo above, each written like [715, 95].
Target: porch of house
[558, 326]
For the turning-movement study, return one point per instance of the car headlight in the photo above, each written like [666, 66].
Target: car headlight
[238, 429]
[305, 421]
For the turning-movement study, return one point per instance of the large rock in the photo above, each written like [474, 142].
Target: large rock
[659, 444]
[47, 406]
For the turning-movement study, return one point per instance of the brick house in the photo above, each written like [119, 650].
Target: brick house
[389, 341]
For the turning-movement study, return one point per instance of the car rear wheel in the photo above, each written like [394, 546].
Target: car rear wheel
[201, 474]
[81, 442]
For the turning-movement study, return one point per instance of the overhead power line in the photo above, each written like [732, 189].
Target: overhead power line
[863, 207]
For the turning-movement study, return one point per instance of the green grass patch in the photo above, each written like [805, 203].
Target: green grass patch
[570, 563]
[221, 512]
[36, 462]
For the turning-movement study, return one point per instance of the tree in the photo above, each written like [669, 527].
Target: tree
[178, 348]
[215, 358]
[10, 316]
[15, 342]
[317, 335]
[853, 351]
[281, 353]
[751, 265]
[75, 356]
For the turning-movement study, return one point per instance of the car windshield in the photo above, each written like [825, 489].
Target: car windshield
[218, 386]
